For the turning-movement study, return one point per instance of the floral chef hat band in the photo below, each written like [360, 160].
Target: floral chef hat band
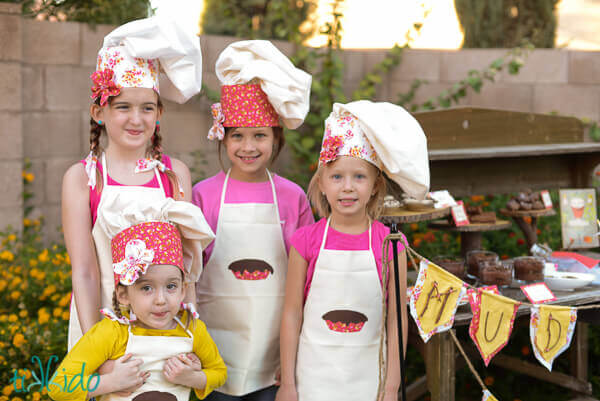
[167, 232]
[260, 85]
[142, 53]
[383, 134]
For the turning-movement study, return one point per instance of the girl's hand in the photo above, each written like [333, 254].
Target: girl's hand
[196, 364]
[287, 392]
[126, 375]
[182, 370]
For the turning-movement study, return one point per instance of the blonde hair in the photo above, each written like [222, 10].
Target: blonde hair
[319, 201]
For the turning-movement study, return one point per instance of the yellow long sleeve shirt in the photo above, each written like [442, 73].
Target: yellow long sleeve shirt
[107, 339]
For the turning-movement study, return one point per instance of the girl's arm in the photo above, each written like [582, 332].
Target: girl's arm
[77, 228]
[392, 380]
[291, 323]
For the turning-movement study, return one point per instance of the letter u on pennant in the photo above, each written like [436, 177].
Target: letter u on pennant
[492, 323]
[434, 299]
[551, 330]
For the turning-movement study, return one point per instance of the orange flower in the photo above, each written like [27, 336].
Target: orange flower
[18, 341]
[527, 219]
[477, 198]
[504, 257]
[521, 241]
[414, 226]
[417, 242]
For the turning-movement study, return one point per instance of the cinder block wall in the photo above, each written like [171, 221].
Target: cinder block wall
[45, 88]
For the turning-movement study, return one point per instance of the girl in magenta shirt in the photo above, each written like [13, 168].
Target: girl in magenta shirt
[253, 213]
[333, 321]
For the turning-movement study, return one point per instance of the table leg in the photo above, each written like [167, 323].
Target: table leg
[469, 241]
[440, 362]
[579, 352]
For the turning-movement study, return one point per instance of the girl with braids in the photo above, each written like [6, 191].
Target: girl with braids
[172, 349]
[126, 112]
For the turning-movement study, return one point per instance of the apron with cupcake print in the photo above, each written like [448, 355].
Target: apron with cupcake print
[240, 292]
[338, 350]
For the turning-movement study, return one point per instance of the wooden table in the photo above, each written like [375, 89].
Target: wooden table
[402, 215]
[529, 229]
[470, 234]
[441, 354]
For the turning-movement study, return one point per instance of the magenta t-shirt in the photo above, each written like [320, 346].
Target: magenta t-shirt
[307, 241]
[294, 209]
[153, 183]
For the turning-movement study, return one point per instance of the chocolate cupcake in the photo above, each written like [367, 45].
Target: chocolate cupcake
[155, 396]
[345, 321]
[250, 269]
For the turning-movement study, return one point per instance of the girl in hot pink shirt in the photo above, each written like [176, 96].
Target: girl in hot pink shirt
[333, 318]
[253, 213]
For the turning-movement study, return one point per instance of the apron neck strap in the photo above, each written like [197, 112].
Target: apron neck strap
[105, 175]
[327, 229]
[178, 322]
[272, 189]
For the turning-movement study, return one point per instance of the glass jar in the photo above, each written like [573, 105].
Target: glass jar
[475, 257]
[529, 268]
[452, 264]
[495, 272]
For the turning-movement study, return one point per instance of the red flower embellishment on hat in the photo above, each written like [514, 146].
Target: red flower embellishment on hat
[136, 261]
[330, 148]
[104, 85]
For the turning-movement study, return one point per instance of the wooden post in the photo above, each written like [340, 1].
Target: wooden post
[440, 361]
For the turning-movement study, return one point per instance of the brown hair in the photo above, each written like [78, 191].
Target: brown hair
[319, 201]
[278, 141]
[154, 150]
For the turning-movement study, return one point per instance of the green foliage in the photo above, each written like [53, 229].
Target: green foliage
[112, 12]
[259, 19]
[505, 23]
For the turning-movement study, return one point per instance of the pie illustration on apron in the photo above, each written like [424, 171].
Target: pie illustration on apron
[345, 321]
[250, 269]
[155, 396]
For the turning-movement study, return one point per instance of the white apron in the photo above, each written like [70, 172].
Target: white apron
[155, 351]
[242, 309]
[337, 362]
[125, 195]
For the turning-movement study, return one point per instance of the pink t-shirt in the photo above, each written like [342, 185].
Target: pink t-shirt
[307, 241]
[294, 209]
[153, 183]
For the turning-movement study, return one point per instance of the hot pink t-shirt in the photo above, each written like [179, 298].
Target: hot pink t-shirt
[307, 241]
[294, 209]
[153, 183]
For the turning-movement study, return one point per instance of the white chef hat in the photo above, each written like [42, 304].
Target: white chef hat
[383, 134]
[143, 52]
[260, 85]
[174, 232]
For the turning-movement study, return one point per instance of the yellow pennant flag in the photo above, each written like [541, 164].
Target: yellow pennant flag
[492, 323]
[487, 396]
[551, 330]
[434, 299]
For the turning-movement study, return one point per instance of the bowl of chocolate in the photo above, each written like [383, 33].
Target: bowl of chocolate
[529, 268]
[476, 257]
[251, 269]
[495, 272]
[345, 321]
[452, 265]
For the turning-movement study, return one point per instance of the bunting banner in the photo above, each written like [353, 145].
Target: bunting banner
[551, 330]
[434, 299]
[492, 323]
[487, 396]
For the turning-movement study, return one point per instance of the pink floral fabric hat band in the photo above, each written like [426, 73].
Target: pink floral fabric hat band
[136, 248]
[344, 137]
[242, 106]
[116, 69]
